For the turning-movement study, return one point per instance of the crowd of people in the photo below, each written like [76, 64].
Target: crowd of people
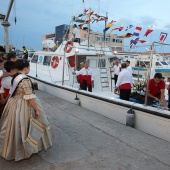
[123, 84]
[24, 127]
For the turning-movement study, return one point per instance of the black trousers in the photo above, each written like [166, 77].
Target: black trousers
[77, 40]
[25, 57]
[115, 78]
[85, 86]
[125, 94]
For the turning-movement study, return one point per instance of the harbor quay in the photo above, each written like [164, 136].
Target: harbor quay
[85, 140]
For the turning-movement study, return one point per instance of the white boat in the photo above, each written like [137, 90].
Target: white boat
[59, 81]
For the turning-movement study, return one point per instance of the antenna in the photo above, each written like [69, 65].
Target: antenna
[72, 8]
[99, 7]
[107, 5]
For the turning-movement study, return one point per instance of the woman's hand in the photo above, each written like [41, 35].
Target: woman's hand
[37, 114]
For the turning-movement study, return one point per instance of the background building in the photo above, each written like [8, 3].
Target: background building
[49, 37]
[113, 41]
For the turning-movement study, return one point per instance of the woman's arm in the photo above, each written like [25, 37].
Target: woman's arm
[34, 105]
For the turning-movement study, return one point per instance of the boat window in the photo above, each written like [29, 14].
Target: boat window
[147, 63]
[119, 41]
[97, 38]
[113, 40]
[142, 64]
[30, 54]
[164, 63]
[47, 60]
[107, 39]
[126, 56]
[34, 59]
[158, 64]
[102, 63]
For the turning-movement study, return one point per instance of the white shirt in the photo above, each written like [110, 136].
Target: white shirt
[129, 68]
[84, 72]
[116, 69]
[124, 77]
[76, 31]
[5, 84]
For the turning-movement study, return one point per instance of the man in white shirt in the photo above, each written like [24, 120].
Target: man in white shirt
[129, 68]
[76, 34]
[124, 82]
[116, 70]
[85, 76]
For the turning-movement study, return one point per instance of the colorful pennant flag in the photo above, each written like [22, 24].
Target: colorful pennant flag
[109, 25]
[133, 42]
[89, 15]
[98, 16]
[137, 31]
[128, 27]
[163, 36]
[127, 35]
[148, 32]
[142, 41]
[85, 11]
[80, 15]
[101, 19]
[120, 28]
[88, 21]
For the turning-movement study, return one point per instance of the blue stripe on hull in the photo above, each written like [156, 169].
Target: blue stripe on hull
[165, 70]
[139, 69]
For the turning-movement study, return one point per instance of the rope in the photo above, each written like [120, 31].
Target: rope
[15, 19]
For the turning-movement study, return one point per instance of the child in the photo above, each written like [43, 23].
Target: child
[9, 66]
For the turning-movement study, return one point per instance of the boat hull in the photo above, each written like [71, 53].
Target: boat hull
[150, 120]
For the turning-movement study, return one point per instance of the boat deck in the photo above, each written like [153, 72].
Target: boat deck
[85, 140]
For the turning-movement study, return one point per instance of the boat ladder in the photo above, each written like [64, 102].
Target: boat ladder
[104, 78]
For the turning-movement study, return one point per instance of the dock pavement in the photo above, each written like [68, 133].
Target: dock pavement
[85, 140]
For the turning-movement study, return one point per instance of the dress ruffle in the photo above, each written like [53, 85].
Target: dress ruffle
[29, 96]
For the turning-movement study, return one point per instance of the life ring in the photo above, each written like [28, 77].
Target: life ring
[54, 62]
[72, 61]
[66, 49]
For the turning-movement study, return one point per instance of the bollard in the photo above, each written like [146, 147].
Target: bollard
[76, 100]
[130, 118]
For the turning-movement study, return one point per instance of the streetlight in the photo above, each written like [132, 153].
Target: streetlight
[115, 52]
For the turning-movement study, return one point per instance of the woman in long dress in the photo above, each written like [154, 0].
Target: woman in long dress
[24, 127]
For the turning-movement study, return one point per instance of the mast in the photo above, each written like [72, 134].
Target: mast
[99, 7]
[106, 24]
[149, 73]
[105, 31]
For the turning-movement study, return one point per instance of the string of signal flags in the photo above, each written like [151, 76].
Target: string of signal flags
[88, 16]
